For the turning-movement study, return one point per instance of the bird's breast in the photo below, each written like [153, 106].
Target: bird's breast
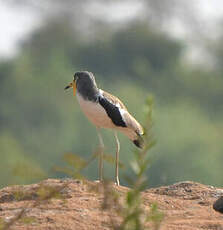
[95, 113]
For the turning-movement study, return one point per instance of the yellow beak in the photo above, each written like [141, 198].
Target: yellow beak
[72, 84]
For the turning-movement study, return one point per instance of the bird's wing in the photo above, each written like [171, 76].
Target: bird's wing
[114, 100]
[118, 112]
[112, 109]
[133, 124]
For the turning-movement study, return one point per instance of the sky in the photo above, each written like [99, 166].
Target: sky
[17, 23]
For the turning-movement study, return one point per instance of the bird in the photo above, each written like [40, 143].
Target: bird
[105, 111]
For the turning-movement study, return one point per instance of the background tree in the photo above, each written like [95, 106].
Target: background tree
[40, 122]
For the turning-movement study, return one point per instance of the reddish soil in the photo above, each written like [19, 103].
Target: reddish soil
[75, 205]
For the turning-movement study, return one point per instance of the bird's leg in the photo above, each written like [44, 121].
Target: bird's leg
[101, 149]
[117, 158]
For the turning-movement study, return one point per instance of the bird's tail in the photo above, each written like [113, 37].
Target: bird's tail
[139, 142]
[135, 137]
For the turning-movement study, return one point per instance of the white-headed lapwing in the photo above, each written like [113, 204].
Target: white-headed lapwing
[105, 111]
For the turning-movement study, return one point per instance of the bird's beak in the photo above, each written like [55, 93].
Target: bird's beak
[72, 84]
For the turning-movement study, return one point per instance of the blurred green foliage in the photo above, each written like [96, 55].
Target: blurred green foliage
[39, 122]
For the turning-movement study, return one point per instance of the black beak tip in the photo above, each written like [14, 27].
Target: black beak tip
[67, 87]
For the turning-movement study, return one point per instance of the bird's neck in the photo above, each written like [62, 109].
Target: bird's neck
[88, 92]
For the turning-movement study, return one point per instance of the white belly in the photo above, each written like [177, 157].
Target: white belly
[95, 113]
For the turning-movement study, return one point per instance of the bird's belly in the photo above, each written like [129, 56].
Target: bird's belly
[95, 113]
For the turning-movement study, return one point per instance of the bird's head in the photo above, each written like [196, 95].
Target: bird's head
[82, 80]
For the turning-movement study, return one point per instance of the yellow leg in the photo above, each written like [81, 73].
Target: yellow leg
[101, 149]
[117, 158]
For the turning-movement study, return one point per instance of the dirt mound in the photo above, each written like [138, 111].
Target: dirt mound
[72, 205]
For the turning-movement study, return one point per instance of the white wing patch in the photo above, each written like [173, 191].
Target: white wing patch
[122, 112]
[101, 92]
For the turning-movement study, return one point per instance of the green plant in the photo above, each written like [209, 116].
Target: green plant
[28, 220]
[133, 214]
[2, 224]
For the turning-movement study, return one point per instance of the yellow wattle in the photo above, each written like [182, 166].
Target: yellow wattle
[74, 88]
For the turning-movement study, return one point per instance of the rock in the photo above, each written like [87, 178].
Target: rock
[218, 205]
